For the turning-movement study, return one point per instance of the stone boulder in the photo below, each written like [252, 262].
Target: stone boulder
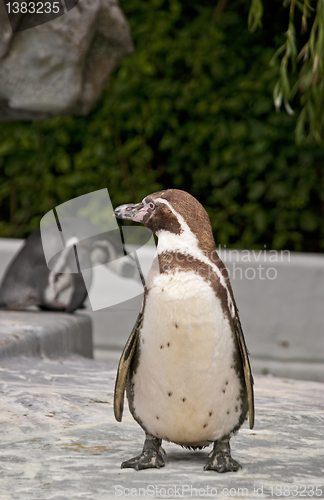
[60, 67]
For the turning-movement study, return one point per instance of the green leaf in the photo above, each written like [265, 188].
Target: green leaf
[255, 15]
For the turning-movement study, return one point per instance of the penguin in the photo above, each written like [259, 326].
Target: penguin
[185, 367]
[28, 281]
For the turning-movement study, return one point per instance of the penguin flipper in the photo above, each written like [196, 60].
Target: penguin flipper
[123, 368]
[246, 366]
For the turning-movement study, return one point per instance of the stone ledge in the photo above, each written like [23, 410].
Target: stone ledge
[300, 370]
[34, 333]
[282, 318]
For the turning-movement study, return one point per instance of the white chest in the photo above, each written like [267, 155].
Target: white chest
[186, 388]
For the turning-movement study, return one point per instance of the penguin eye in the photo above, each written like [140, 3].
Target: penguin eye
[151, 205]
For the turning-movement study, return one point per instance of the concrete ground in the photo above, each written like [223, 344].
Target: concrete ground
[59, 440]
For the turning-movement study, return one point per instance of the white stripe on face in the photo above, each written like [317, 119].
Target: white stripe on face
[187, 243]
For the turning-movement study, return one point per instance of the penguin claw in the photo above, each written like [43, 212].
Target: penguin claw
[223, 464]
[145, 461]
[220, 459]
[150, 458]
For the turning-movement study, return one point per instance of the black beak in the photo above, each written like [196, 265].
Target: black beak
[130, 212]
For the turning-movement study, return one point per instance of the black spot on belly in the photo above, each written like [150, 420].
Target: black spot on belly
[170, 393]
[168, 344]
[236, 408]
[161, 346]
[228, 412]
[205, 425]
[224, 391]
[176, 325]
[157, 418]
[210, 413]
[184, 399]
[226, 383]
[142, 341]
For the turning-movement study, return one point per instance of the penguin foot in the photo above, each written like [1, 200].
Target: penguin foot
[220, 458]
[150, 458]
[54, 306]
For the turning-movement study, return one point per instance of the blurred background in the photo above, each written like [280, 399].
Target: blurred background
[192, 107]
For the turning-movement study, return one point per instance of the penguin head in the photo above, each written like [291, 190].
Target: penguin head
[170, 210]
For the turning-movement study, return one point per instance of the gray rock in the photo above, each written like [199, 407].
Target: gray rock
[60, 67]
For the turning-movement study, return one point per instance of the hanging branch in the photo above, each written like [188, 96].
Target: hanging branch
[307, 66]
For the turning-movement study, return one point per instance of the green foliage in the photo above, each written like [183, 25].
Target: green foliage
[301, 71]
[255, 15]
[191, 109]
